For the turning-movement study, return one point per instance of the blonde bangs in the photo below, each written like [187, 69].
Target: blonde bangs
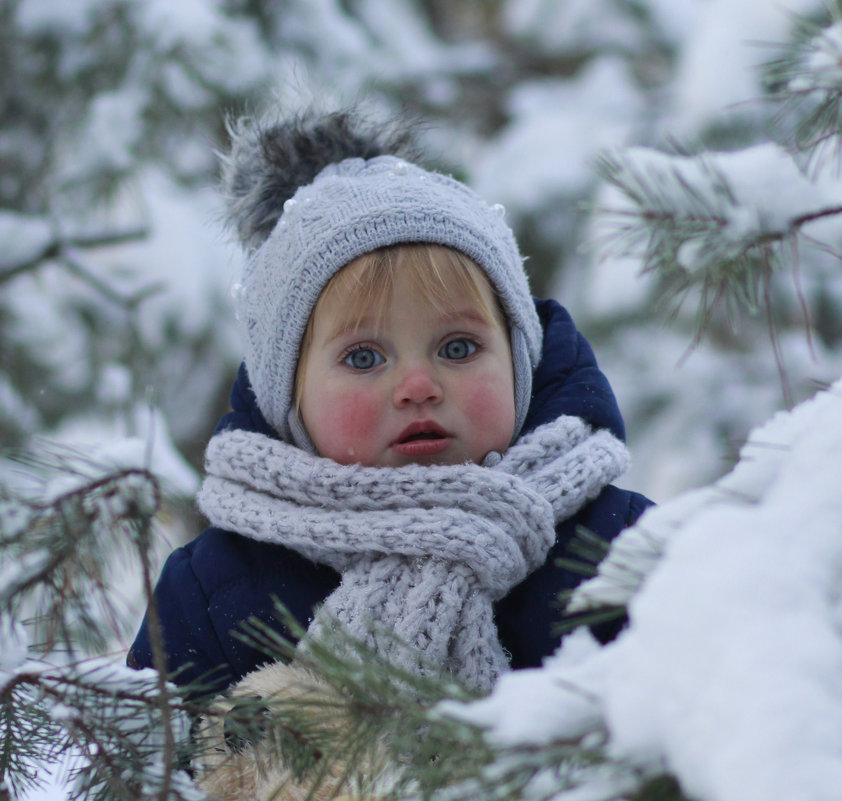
[438, 274]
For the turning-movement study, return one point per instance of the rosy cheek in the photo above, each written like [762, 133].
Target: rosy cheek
[349, 427]
[490, 405]
[485, 408]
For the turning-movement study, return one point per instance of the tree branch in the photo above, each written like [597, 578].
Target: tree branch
[57, 507]
[159, 661]
[56, 246]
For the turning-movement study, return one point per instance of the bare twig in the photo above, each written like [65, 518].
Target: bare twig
[72, 259]
[776, 345]
[159, 661]
[799, 293]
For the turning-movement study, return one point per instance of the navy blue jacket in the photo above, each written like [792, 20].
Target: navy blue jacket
[209, 586]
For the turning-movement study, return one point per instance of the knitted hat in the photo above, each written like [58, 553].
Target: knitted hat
[351, 207]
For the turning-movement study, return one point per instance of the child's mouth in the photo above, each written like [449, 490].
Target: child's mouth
[420, 431]
[422, 435]
[423, 438]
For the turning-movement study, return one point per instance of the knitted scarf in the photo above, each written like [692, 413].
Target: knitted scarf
[423, 551]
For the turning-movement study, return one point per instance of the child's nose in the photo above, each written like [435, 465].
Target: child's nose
[417, 385]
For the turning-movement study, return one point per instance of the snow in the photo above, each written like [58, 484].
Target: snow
[348, 39]
[822, 67]
[766, 189]
[111, 133]
[46, 15]
[191, 22]
[115, 385]
[771, 190]
[17, 571]
[221, 50]
[401, 29]
[718, 73]
[24, 238]
[184, 255]
[543, 152]
[54, 785]
[735, 199]
[15, 647]
[677, 19]
[543, 709]
[577, 25]
[103, 446]
[41, 318]
[728, 673]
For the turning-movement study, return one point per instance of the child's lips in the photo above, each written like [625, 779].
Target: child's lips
[422, 438]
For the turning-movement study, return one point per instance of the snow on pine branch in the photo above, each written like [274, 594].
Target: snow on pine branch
[722, 222]
[101, 503]
[727, 676]
[123, 726]
[764, 461]
[808, 81]
[59, 549]
[821, 57]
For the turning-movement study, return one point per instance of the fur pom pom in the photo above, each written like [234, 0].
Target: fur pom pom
[269, 160]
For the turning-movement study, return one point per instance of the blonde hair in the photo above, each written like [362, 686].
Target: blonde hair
[435, 272]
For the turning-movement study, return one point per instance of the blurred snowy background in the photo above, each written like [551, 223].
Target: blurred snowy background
[115, 274]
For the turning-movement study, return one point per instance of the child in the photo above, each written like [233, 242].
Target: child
[413, 440]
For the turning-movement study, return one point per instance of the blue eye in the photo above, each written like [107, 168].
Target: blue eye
[457, 349]
[363, 359]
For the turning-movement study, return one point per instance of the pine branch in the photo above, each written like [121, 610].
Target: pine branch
[113, 715]
[55, 553]
[159, 658]
[587, 551]
[29, 736]
[703, 228]
[620, 574]
[361, 717]
[807, 81]
[72, 259]
[380, 703]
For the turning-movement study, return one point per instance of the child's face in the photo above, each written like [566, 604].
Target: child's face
[423, 387]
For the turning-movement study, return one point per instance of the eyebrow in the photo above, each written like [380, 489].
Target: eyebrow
[470, 313]
[346, 326]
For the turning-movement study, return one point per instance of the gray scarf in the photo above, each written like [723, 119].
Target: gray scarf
[423, 551]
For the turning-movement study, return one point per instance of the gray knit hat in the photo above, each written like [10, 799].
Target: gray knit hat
[353, 207]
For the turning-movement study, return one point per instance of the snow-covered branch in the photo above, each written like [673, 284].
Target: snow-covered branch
[30, 241]
[808, 83]
[109, 712]
[718, 223]
[702, 215]
[57, 553]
